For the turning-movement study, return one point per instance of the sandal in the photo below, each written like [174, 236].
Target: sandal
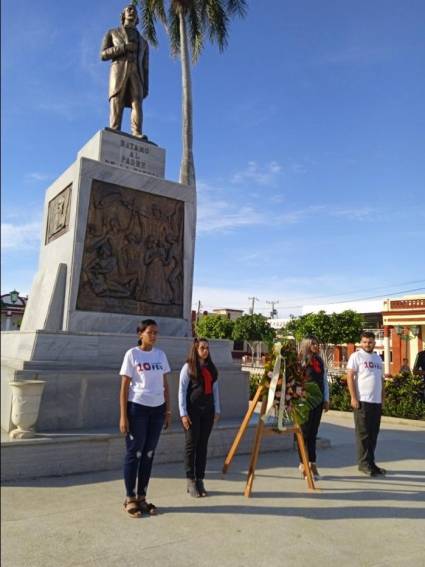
[192, 488]
[147, 507]
[131, 506]
[314, 471]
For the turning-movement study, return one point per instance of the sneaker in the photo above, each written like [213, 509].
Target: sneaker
[378, 470]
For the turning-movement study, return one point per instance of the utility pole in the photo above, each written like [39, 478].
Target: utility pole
[198, 311]
[253, 300]
[273, 312]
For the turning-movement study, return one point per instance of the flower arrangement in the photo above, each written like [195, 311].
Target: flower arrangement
[290, 396]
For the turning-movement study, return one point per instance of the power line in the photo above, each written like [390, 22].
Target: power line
[355, 299]
[294, 306]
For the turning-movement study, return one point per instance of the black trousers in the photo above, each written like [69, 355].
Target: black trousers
[310, 429]
[196, 441]
[367, 420]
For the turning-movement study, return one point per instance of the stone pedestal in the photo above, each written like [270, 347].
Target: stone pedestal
[117, 243]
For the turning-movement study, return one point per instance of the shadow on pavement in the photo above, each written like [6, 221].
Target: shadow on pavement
[312, 513]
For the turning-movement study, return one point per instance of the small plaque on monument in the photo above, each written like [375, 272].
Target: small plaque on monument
[123, 150]
[58, 215]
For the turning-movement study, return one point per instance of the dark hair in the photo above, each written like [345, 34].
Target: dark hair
[195, 365]
[143, 326]
[367, 335]
[123, 16]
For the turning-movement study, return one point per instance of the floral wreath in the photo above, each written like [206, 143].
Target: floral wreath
[283, 372]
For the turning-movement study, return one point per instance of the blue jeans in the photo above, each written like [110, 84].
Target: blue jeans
[145, 425]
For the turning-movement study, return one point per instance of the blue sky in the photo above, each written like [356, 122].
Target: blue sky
[309, 143]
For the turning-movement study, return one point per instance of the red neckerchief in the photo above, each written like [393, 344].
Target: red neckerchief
[208, 380]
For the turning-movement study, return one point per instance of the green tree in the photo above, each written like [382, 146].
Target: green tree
[188, 23]
[330, 329]
[214, 327]
[253, 329]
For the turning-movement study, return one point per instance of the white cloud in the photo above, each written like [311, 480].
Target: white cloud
[358, 54]
[20, 237]
[260, 175]
[215, 214]
[221, 216]
[359, 213]
[37, 176]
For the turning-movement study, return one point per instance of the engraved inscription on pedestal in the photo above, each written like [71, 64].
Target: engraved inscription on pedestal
[58, 215]
[133, 253]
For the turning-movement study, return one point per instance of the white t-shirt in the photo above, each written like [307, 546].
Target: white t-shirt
[146, 369]
[368, 369]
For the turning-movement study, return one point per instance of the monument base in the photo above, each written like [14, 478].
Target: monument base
[81, 371]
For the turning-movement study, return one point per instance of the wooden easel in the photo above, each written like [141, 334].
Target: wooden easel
[261, 431]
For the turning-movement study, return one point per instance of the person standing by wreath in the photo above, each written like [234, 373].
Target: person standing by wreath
[365, 380]
[199, 407]
[314, 371]
[145, 410]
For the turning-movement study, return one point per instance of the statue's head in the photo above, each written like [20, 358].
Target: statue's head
[130, 14]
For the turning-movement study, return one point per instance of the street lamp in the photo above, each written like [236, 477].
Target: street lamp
[14, 296]
[415, 329]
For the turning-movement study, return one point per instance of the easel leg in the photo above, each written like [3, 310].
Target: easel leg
[242, 428]
[255, 450]
[304, 457]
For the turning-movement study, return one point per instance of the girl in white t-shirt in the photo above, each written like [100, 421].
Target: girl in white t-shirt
[144, 411]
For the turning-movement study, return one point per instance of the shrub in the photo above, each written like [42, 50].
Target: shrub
[339, 395]
[254, 381]
[404, 396]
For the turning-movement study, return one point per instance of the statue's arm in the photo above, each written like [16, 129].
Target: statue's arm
[109, 50]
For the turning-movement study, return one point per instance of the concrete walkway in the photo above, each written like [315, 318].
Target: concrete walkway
[77, 521]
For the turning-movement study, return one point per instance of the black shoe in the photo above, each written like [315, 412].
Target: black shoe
[366, 470]
[201, 488]
[192, 488]
[378, 470]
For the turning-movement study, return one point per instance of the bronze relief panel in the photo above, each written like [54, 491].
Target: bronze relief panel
[133, 253]
[58, 215]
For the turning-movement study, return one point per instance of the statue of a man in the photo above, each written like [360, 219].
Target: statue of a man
[129, 76]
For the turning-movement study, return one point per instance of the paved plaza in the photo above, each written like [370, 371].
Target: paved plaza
[77, 521]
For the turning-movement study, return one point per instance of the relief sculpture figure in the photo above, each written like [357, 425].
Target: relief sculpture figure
[133, 253]
[129, 74]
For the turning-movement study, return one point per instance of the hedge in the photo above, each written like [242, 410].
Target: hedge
[404, 395]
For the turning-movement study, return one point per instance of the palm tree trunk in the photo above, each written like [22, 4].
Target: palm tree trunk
[187, 166]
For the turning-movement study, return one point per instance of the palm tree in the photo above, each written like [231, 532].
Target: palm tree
[188, 22]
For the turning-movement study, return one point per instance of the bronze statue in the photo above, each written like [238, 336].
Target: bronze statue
[129, 75]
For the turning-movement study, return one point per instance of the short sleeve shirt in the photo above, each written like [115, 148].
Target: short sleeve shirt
[368, 372]
[146, 371]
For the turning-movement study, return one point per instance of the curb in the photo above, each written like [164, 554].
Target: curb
[384, 419]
